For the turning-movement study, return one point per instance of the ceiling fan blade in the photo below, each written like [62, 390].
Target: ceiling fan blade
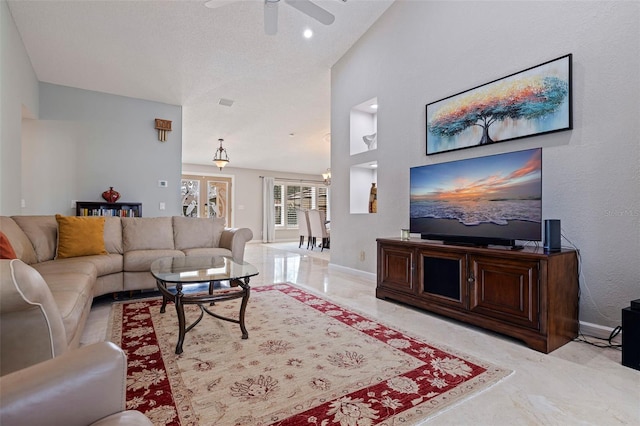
[213, 4]
[313, 10]
[270, 17]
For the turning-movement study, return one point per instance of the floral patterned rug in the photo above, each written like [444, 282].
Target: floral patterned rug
[307, 361]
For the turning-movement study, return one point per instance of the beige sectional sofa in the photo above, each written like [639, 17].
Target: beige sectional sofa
[45, 300]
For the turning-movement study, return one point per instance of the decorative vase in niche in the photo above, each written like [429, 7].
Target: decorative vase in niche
[371, 141]
[373, 199]
[111, 196]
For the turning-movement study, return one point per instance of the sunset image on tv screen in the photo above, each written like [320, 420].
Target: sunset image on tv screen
[498, 189]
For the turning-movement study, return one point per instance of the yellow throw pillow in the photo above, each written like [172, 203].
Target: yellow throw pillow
[80, 236]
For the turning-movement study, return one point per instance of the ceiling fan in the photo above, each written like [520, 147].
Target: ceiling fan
[271, 12]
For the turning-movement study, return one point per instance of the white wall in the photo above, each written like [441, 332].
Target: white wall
[422, 51]
[247, 192]
[19, 97]
[50, 159]
[85, 142]
[362, 123]
[60, 144]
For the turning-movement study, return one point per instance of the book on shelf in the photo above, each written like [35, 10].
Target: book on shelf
[109, 212]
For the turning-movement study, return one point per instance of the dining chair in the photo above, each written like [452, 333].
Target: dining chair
[317, 222]
[304, 230]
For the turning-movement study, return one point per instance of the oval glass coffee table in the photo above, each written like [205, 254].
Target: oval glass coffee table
[227, 280]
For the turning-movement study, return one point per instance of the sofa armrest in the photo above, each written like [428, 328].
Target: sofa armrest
[235, 239]
[32, 328]
[76, 388]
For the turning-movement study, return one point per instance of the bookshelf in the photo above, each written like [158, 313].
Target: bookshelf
[92, 208]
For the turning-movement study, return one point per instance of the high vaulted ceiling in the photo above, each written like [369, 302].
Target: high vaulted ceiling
[183, 53]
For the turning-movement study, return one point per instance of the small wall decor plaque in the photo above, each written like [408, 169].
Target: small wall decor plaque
[163, 127]
[530, 102]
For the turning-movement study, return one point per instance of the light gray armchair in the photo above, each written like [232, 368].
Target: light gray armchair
[85, 386]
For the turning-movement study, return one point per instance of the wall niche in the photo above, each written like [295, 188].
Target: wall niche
[363, 126]
[362, 176]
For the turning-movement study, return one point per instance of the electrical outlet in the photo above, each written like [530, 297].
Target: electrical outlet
[73, 203]
[362, 253]
[163, 183]
[163, 206]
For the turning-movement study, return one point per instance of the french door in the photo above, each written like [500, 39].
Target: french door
[207, 196]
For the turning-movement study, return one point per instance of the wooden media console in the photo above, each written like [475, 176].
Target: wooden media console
[526, 294]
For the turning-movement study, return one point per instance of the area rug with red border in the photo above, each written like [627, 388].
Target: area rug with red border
[307, 361]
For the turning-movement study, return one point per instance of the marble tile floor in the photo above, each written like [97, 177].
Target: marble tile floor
[292, 246]
[578, 384]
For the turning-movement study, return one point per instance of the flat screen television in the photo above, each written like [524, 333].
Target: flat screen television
[492, 200]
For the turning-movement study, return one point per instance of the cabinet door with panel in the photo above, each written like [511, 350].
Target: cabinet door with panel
[442, 277]
[505, 289]
[395, 268]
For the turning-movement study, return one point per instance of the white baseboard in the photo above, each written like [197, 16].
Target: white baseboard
[367, 275]
[599, 331]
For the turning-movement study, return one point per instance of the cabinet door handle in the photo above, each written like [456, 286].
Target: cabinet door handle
[470, 280]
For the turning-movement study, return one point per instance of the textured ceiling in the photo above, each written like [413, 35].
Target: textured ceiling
[183, 53]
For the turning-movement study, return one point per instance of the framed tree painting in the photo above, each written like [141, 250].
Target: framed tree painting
[527, 103]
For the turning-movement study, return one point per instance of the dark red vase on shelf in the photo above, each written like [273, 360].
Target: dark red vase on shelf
[111, 196]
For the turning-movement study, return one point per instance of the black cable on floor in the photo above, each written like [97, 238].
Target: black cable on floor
[601, 343]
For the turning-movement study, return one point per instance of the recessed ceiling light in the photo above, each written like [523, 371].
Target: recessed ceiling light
[307, 33]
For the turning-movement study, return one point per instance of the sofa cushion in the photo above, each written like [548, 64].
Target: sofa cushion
[19, 240]
[109, 264]
[139, 281]
[72, 265]
[147, 233]
[80, 236]
[6, 250]
[141, 260]
[113, 235]
[194, 232]
[72, 293]
[42, 232]
[111, 283]
[71, 282]
[103, 264]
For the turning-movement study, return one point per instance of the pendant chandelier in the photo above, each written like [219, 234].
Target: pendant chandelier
[221, 158]
[327, 177]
